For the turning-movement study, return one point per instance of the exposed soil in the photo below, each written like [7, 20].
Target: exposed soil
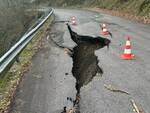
[85, 64]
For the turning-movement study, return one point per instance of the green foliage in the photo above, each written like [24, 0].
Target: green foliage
[10, 80]
[14, 21]
[138, 7]
[145, 8]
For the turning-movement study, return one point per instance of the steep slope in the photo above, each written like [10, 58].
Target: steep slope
[138, 7]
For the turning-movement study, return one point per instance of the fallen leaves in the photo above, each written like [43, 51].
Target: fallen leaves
[72, 110]
[68, 51]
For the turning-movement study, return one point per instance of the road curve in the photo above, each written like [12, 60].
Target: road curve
[47, 85]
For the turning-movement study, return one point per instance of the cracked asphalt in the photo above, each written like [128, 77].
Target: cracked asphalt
[49, 82]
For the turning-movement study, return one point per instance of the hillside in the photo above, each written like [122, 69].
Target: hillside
[14, 21]
[136, 7]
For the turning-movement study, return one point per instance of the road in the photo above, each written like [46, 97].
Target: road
[50, 81]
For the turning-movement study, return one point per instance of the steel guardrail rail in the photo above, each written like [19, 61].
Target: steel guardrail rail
[19, 46]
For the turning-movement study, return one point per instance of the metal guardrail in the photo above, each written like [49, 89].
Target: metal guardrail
[6, 59]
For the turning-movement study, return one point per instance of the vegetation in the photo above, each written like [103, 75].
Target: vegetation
[14, 21]
[17, 16]
[10, 81]
[136, 7]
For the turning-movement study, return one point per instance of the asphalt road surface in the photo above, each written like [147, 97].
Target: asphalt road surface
[47, 85]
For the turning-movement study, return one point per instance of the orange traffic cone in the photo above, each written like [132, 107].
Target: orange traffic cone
[127, 55]
[104, 31]
[73, 20]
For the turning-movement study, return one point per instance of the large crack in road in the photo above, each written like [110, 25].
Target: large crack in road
[85, 62]
[50, 84]
[85, 66]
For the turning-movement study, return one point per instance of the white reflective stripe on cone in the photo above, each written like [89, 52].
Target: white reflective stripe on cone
[103, 25]
[128, 43]
[73, 18]
[73, 21]
[127, 51]
[104, 30]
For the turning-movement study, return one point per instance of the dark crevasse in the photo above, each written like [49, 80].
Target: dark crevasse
[85, 62]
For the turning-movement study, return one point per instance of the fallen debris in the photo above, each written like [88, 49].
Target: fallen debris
[68, 51]
[114, 89]
[137, 109]
[71, 110]
[66, 73]
[38, 76]
[75, 105]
